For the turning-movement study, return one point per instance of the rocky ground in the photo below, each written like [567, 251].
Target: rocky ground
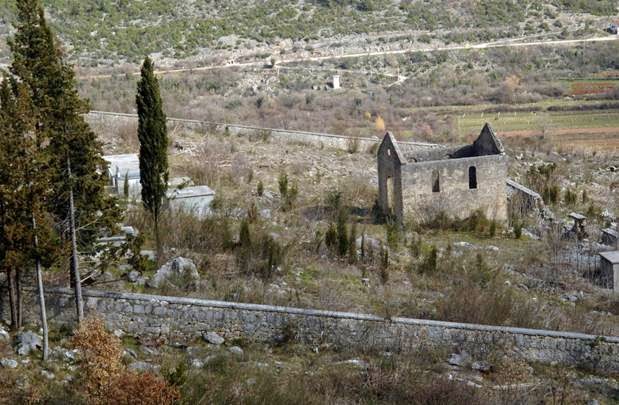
[214, 370]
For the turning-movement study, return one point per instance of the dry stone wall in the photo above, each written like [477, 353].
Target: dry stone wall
[184, 319]
[109, 120]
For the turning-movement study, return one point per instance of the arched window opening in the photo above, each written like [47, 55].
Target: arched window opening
[436, 182]
[472, 178]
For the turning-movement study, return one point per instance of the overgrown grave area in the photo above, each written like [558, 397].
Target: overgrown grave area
[286, 215]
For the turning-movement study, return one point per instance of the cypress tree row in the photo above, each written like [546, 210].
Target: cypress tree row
[75, 155]
[27, 233]
[153, 137]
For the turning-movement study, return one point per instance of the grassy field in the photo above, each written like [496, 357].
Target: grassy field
[539, 121]
[594, 130]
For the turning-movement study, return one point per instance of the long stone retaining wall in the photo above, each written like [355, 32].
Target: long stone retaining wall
[107, 119]
[184, 319]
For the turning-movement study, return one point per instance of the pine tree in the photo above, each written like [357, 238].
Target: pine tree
[38, 63]
[153, 137]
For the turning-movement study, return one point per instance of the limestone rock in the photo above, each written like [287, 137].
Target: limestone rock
[27, 342]
[197, 363]
[357, 363]
[8, 363]
[237, 351]
[458, 359]
[179, 272]
[369, 242]
[213, 338]
[142, 367]
[4, 335]
[481, 366]
[133, 276]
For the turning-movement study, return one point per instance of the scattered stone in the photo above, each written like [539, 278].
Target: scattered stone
[68, 356]
[464, 245]
[48, 374]
[213, 338]
[481, 366]
[142, 366]
[133, 276]
[130, 231]
[266, 213]
[149, 351]
[8, 363]
[492, 248]
[197, 363]
[177, 271]
[458, 359]
[570, 298]
[27, 342]
[357, 363]
[237, 351]
[4, 335]
[119, 333]
[149, 254]
[370, 242]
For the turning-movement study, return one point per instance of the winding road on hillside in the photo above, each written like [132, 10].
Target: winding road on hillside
[511, 43]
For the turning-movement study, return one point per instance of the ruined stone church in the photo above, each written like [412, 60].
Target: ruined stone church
[456, 181]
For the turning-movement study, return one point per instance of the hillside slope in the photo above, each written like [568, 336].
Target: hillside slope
[106, 31]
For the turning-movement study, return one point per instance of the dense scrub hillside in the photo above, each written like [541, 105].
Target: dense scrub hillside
[97, 30]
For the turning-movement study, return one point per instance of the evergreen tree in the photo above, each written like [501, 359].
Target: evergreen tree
[342, 235]
[153, 137]
[27, 231]
[73, 147]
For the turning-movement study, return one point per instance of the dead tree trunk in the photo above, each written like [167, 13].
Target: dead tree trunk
[40, 291]
[13, 299]
[20, 302]
[75, 271]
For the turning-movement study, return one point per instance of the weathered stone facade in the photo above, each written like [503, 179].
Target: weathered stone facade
[454, 181]
[184, 319]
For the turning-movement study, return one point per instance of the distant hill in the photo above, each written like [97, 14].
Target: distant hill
[117, 30]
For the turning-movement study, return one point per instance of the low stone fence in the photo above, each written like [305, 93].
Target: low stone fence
[361, 144]
[184, 319]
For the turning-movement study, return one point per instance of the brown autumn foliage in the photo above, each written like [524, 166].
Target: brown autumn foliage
[104, 379]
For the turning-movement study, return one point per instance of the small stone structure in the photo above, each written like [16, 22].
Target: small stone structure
[609, 265]
[121, 167]
[454, 181]
[522, 200]
[578, 229]
[610, 237]
[184, 319]
[196, 200]
[336, 82]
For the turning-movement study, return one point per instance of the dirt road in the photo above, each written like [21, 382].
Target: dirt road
[486, 45]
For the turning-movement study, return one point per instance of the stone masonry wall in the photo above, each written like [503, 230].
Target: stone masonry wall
[108, 120]
[184, 319]
[455, 198]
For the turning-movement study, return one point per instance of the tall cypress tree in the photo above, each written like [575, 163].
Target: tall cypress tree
[153, 137]
[73, 147]
[27, 228]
